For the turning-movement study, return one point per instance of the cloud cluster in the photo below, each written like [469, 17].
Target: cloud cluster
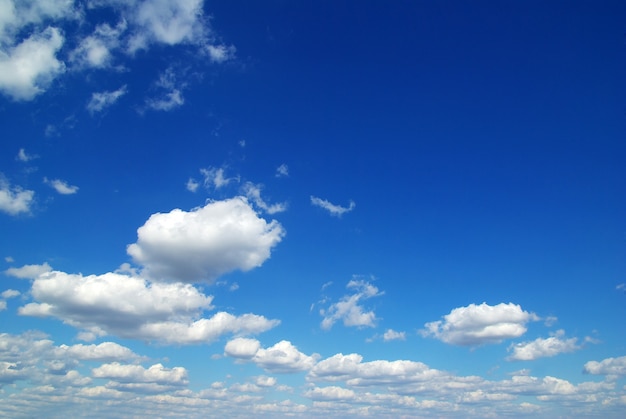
[335, 210]
[29, 64]
[349, 308]
[202, 244]
[480, 324]
[283, 357]
[131, 307]
[541, 348]
[608, 366]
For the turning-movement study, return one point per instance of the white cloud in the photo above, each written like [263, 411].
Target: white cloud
[608, 366]
[105, 351]
[354, 372]
[15, 200]
[282, 170]
[480, 324]
[102, 100]
[283, 357]
[206, 242]
[216, 177]
[167, 22]
[391, 334]
[349, 310]
[170, 96]
[220, 53]
[28, 271]
[61, 186]
[253, 192]
[10, 293]
[27, 69]
[136, 378]
[330, 393]
[541, 348]
[192, 185]
[96, 50]
[335, 210]
[131, 307]
[23, 156]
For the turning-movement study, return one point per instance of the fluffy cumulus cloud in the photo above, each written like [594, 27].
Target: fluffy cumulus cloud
[608, 366]
[333, 209]
[541, 348]
[283, 357]
[61, 186]
[15, 200]
[28, 66]
[137, 378]
[202, 244]
[96, 50]
[131, 307]
[349, 309]
[480, 324]
[101, 100]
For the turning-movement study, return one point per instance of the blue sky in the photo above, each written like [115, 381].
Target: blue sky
[312, 209]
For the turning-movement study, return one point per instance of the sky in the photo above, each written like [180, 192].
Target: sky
[312, 209]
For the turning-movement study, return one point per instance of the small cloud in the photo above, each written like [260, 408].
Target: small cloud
[28, 271]
[349, 308]
[391, 334]
[15, 200]
[253, 192]
[61, 186]
[220, 53]
[234, 287]
[242, 143]
[102, 100]
[282, 171]
[621, 287]
[10, 294]
[550, 321]
[335, 210]
[9, 259]
[543, 348]
[216, 178]
[171, 95]
[25, 157]
[192, 185]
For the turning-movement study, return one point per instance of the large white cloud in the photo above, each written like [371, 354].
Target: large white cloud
[204, 243]
[480, 324]
[349, 308]
[28, 68]
[283, 357]
[131, 307]
[541, 348]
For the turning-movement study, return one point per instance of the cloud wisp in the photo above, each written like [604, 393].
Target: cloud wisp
[333, 209]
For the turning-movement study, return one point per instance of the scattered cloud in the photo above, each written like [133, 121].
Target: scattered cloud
[349, 309]
[608, 366]
[283, 357]
[28, 271]
[170, 92]
[282, 171]
[541, 348]
[136, 378]
[204, 243]
[61, 186]
[192, 185]
[391, 334]
[131, 307]
[101, 100]
[253, 192]
[480, 324]
[96, 50]
[15, 200]
[335, 210]
[10, 293]
[23, 156]
[216, 177]
[220, 53]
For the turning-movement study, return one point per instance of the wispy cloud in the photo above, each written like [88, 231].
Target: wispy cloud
[23, 156]
[349, 308]
[61, 186]
[335, 210]
[282, 171]
[102, 100]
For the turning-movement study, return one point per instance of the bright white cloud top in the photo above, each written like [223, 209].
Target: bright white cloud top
[202, 244]
[167, 253]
